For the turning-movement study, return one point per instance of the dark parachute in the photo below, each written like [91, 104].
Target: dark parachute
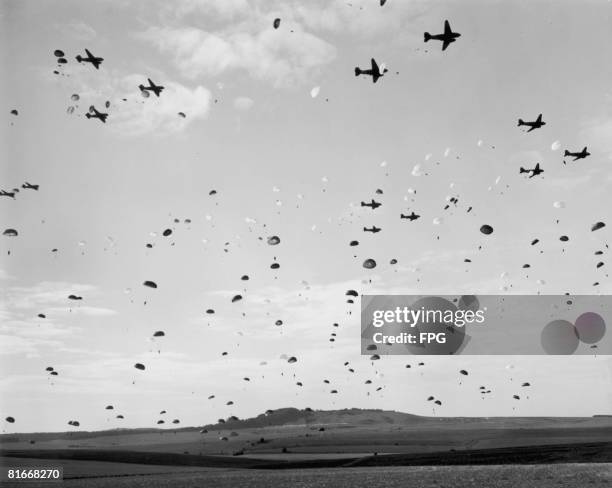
[150, 284]
[159, 333]
[273, 240]
[486, 229]
[10, 420]
[236, 298]
[369, 264]
[276, 23]
[140, 366]
[292, 360]
[597, 226]
[464, 372]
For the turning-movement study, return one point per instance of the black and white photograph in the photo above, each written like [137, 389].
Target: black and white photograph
[305, 243]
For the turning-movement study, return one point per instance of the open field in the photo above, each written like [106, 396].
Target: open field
[511, 476]
[343, 432]
[332, 449]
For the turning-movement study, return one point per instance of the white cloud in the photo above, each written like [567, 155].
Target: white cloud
[161, 114]
[130, 113]
[279, 57]
[243, 103]
[79, 30]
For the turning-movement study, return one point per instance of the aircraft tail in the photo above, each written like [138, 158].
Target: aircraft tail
[79, 58]
[521, 122]
[357, 71]
[142, 87]
[427, 36]
[523, 170]
[363, 204]
[103, 117]
[88, 115]
[567, 153]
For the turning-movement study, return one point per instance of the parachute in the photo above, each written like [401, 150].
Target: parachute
[369, 264]
[292, 360]
[140, 366]
[150, 284]
[486, 229]
[273, 240]
[159, 333]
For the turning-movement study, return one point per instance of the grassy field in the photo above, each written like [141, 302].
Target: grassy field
[334, 449]
[511, 476]
[341, 435]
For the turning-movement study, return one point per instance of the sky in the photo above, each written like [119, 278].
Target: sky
[277, 123]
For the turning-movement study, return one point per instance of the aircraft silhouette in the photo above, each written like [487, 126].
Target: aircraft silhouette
[373, 205]
[96, 115]
[374, 71]
[373, 230]
[29, 186]
[157, 89]
[534, 171]
[532, 125]
[447, 37]
[578, 155]
[410, 217]
[4, 193]
[96, 62]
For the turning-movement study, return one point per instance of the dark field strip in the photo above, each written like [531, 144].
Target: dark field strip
[596, 452]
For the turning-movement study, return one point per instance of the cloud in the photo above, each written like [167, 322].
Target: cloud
[243, 103]
[278, 57]
[162, 114]
[130, 113]
[28, 333]
[78, 30]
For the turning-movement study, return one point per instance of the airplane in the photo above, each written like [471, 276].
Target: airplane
[374, 205]
[374, 71]
[29, 186]
[373, 230]
[578, 155]
[157, 89]
[96, 115]
[4, 193]
[534, 171]
[410, 217]
[532, 125]
[447, 37]
[90, 59]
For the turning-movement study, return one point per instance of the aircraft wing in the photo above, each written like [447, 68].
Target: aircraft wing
[445, 43]
[151, 84]
[375, 68]
[447, 28]
[89, 55]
